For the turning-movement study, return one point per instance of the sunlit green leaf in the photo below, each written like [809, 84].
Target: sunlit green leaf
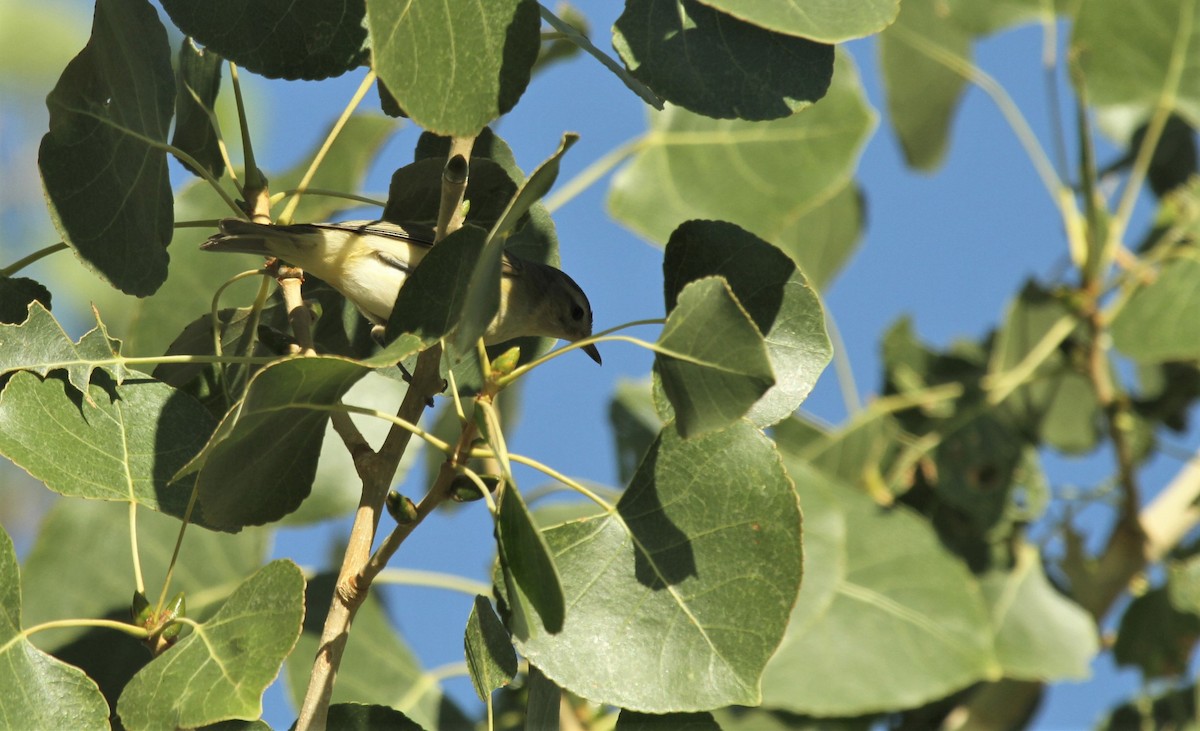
[220, 670]
[922, 91]
[124, 442]
[455, 67]
[774, 293]
[38, 690]
[887, 619]
[714, 362]
[828, 22]
[527, 558]
[1040, 634]
[1156, 324]
[759, 175]
[40, 344]
[1135, 55]
[705, 544]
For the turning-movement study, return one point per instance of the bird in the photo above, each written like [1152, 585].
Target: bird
[368, 262]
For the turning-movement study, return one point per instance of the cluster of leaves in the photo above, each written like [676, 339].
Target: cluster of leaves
[679, 597]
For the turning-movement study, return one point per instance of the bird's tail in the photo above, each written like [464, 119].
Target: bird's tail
[244, 237]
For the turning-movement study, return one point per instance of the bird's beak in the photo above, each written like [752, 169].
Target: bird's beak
[594, 354]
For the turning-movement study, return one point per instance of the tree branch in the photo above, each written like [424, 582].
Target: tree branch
[377, 470]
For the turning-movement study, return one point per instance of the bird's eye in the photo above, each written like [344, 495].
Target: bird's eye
[576, 313]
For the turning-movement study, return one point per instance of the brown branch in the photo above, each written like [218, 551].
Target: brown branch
[377, 470]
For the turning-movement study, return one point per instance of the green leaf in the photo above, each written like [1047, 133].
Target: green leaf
[774, 293]
[690, 166]
[305, 39]
[58, 583]
[455, 67]
[527, 559]
[1173, 708]
[635, 424]
[983, 17]
[1183, 584]
[38, 690]
[196, 96]
[922, 92]
[16, 294]
[1135, 56]
[483, 292]
[221, 669]
[828, 22]
[123, 442]
[1057, 405]
[105, 180]
[430, 303]
[149, 325]
[359, 717]
[887, 619]
[490, 655]
[378, 668]
[415, 193]
[545, 700]
[696, 569]
[634, 721]
[1040, 634]
[260, 464]
[713, 361]
[40, 344]
[1155, 636]
[1156, 324]
[823, 239]
[717, 65]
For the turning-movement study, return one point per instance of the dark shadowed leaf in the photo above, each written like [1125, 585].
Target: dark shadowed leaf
[430, 303]
[307, 39]
[195, 96]
[774, 293]
[717, 65]
[713, 361]
[634, 721]
[16, 294]
[527, 559]
[260, 464]
[105, 181]
[490, 654]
